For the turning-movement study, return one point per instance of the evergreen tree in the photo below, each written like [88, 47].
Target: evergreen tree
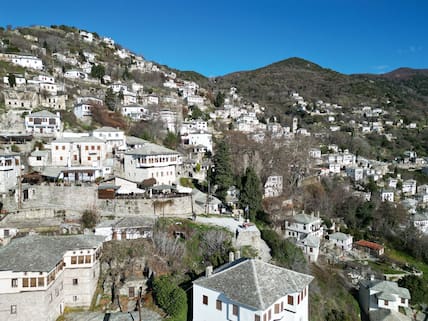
[219, 99]
[222, 175]
[110, 99]
[98, 71]
[171, 140]
[251, 193]
[12, 80]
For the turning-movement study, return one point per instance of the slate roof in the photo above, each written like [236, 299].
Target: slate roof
[4, 153]
[43, 113]
[151, 149]
[304, 218]
[385, 289]
[255, 283]
[107, 129]
[83, 139]
[339, 236]
[42, 253]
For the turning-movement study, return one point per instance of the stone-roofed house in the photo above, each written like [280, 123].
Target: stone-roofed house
[307, 230]
[39, 158]
[43, 122]
[126, 228]
[250, 289]
[114, 137]
[376, 294]
[341, 240]
[152, 161]
[78, 151]
[41, 275]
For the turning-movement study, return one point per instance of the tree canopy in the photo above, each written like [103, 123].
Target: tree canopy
[222, 175]
[171, 298]
[251, 193]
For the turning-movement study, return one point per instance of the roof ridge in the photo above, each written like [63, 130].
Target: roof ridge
[256, 281]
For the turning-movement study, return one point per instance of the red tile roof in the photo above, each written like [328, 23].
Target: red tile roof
[371, 245]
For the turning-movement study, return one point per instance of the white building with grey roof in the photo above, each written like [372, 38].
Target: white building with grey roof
[43, 122]
[113, 137]
[307, 230]
[152, 161]
[378, 294]
[250, 289]
[41, 275]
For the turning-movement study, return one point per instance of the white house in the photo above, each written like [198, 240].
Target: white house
[169, 118]
[82, 110]
[387, 195]
[43, 122]
[135, 112]
[151, 161]
[75, 74]
[194, 100]
[273, 186]
[47, 274]
[27, 61]
[376, 294]
[86, 36]
[341, 240]
[126, 228]
[250, 289]
[19, 80]
[78, 151]
[193, 125]
[355, 173]
[113, 137]
[315, 153]
[198, 138]
[307, 230]
[9, 170]
[409, 187]
[39, 158]
[420, 221]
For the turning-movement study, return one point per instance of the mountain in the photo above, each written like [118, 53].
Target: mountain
[272, 85]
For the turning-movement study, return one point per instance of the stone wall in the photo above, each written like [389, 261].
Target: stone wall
[50, 201]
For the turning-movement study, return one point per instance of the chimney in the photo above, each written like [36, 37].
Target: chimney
[208, 271]
[237, 254]
[231, 256]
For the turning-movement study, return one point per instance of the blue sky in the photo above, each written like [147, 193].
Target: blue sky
[219, 37]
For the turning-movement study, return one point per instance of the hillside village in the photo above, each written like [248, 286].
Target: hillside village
[138, 187]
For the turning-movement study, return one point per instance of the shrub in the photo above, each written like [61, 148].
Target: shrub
[89, 218]
[171, 298]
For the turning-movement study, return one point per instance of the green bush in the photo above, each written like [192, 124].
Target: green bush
[171, 298]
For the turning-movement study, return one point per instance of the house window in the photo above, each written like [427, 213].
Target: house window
[41, 281]
[265, 317]
[81, 259]
[270, 314]
[311, 249]
[13, 309]
[60, 158]
[33, 282]
[74, 260]
[205, 299]
[86, 147]
[403, 301]
[276, 308]
[282, 305]
[63, 147]
[290, 300]
[75, 157]
[89, 158]
[386, 302]
[92, 147]
[75, 281]
[99, 147]
[14, 283]
[88, 259]
[235, 309]
[39, 158]
[75, 298]
[218, 305]
[25, 282]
